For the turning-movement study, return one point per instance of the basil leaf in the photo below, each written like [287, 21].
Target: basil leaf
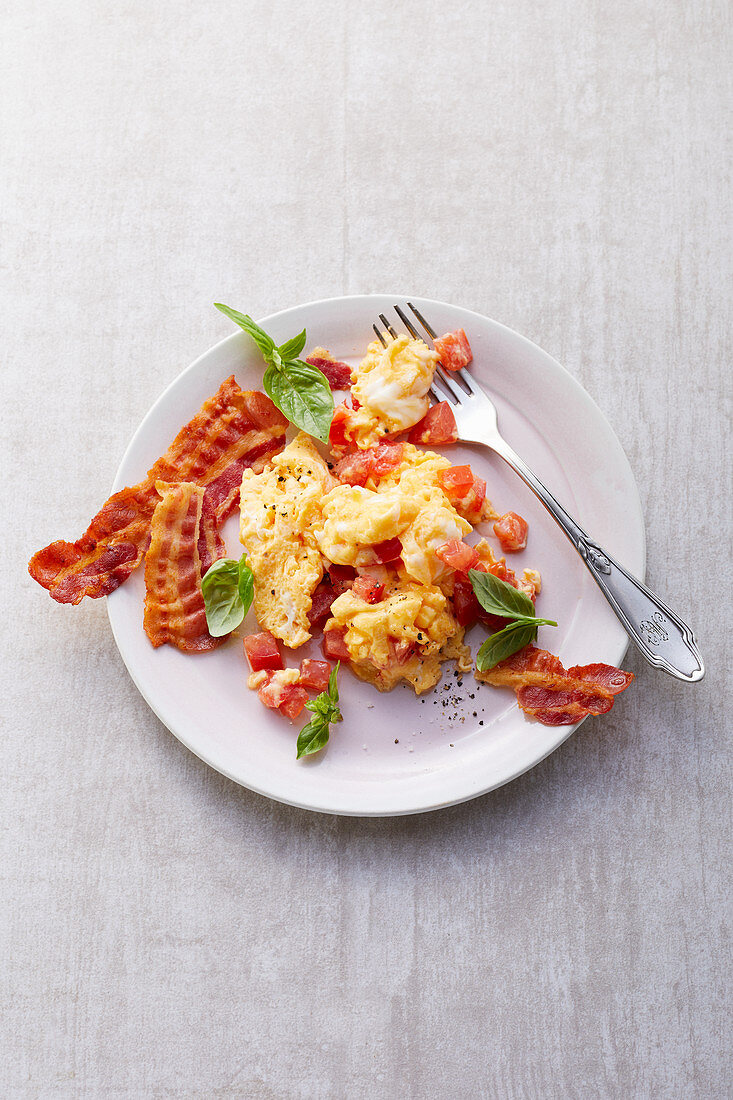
[228, 589]
[312, 737]
[260, 337]
[302, 393]
[292, 348]
[504, 643]
[499, 598]
[245, 584]
[333, 691]
[325, 709]
[224, 607]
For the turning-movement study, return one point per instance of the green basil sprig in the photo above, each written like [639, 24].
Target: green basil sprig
[502, 599]
[300, 391]
[228, 588]
[325, 709]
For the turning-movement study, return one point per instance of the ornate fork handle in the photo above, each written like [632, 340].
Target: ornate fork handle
[664, 639]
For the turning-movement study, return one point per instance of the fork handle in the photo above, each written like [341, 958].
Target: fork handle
[664, 639]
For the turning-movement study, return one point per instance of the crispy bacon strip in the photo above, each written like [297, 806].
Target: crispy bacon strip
[174, 604]
[234, 429]
[552, 694]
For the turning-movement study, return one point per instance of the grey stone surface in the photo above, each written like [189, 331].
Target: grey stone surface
[562, 167]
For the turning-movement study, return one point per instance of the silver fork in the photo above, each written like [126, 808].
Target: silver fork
[664, 639]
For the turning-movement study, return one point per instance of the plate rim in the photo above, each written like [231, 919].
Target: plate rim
[562, 732]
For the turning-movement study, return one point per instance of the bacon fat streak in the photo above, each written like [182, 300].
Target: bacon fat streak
[174, 604]
[552, 694]
[233, 430]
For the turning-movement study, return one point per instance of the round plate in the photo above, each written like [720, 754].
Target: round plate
[395, 753]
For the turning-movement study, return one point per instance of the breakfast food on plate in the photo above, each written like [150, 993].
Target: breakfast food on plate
[362, 540]
[174, 603]
[233, 430]
[280, 509]
[552, 694]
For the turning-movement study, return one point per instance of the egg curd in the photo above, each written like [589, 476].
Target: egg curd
[391, 385]
[296, 520]
[280, 512]
[405, 636]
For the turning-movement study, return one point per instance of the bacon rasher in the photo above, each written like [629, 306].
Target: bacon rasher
[174, 604]
[552, 694]
[234, 429]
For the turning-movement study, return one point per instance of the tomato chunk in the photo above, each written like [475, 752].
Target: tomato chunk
[458, 555]
[466, 607]
[294, 698]
[368, 589]
[262, 651]
[387, 551]
[511, 531]
[334, 644]
[456, 480]
[320, 610]
[402, 649]
[385, 456]
[338, 435]
[341, 577]
[314, 674]
[437, 426]
[354, 469]
[375, 462]
[338, 375]
[454, 349]
[468, 500]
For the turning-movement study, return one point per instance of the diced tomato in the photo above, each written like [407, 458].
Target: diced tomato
[320, 610]
[354, 469]
[457, 555]
[337, 374]
[368, 589]
[437, 426]
[314, 674]
[294, 698]
[338, 435]
[403, 650]
[355, 403]
[262, 651]
[467, 500]
[385, 456]
[454, 349]
[511, 531]
[334, 644]
[387, 551]
[270, 693]
[357, 468]
[456, 480]
[466, 607]
[341, 577]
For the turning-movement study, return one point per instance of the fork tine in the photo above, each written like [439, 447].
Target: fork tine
[464, 376]
[387, 325]
[381, 339]
[407, 323]
[442, 395]
[430, 331]
[457, 392]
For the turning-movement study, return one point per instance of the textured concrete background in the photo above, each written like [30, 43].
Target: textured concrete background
[562, 167]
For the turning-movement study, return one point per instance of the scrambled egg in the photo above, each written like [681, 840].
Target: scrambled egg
[280, 509]
[295, 518]
[391, 385]
[355, 519]
[403, 637]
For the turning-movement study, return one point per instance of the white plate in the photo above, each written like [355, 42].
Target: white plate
[395, 754]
